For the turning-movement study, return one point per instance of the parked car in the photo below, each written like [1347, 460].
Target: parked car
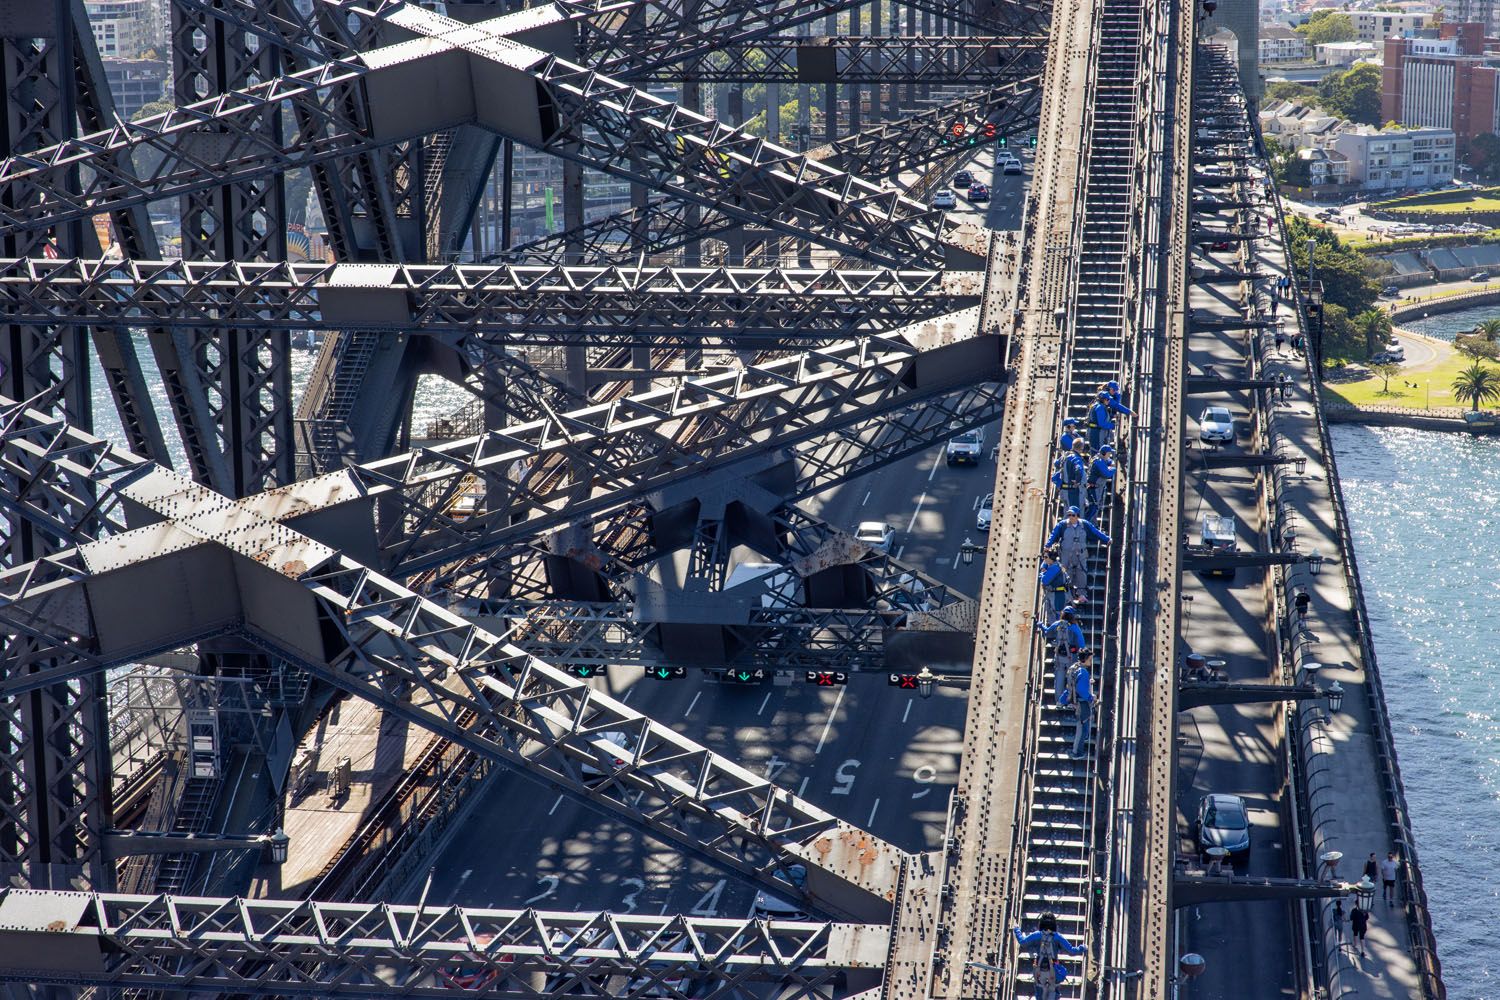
[963, 179]
[876, 534]
[978, 192]
[1223, 822]
[1391, 292]
[1216, 424]
[1480, 276]
[945, 198]
[986, 512]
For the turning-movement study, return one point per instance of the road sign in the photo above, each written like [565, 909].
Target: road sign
[827, 678]
[907, 681]
[743, 675]
[586, 670]
[666, 673]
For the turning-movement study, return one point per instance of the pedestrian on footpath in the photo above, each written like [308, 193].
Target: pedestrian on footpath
[1054, 582]
[1081, 693]
[1359, 923]
[1388, 877]
[1338, 920]
[1069, 641]
[1280, 334]
[1101, 475]
[1073, 532]
[1372, 869]
[1045, 944]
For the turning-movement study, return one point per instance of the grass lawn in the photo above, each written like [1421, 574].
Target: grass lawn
[1456, 203]
[1367, 391]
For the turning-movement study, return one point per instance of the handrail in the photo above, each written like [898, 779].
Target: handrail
[1418, 916]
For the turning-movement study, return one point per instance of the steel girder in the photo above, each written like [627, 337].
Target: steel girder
[245, 219]
[965, 59]
[579, 115]
[261, 947]
[308, 603]
[502, 304]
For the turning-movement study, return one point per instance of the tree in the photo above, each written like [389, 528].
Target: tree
[1476, 348]
[1341, 338]
[1489, 329]
[1327, 26]
[1385, 369]
[1290, 90]
[1340, 268]
[1477, 384]
[1353, 94]
[1484, 155]
[1374, 325]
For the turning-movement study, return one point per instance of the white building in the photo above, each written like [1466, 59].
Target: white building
[123, 29]
[1297, 126]
[1345, 53]
[1325, 166]
[1388, 159]
[1278, 45]
[1378, 25]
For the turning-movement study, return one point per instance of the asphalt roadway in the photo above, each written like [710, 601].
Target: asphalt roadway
[880, 758]
[1231, 748]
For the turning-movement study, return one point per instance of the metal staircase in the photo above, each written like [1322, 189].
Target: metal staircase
[1060, 858]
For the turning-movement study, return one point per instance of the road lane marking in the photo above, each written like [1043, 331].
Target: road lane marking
[555, 805]
[692, 704]
[920, 501]
[829, 724]
[900, 549]
[764, 703]
[802, 788]
[935, 460]
[955, 558]
[867, 498]
[908, 710]
[871, 821]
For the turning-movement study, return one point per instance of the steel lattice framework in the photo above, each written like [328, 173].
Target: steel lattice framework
[863, 352]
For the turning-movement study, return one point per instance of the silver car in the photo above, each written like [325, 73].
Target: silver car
[945, 199]
[1216, 424]
[986, 512]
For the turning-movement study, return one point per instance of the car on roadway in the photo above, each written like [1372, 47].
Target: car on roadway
[966, 448]
[770, 906]
[1221, 246]
[1223, 821]
[1391, 292]
[1216, 424]
[594, 773]
[1395, 351]
[963, 179]
[978, 192]
[986, 512]
[876, 534]
[945, 198]
[1481, 276]
[1396, 355]
[1010, 165]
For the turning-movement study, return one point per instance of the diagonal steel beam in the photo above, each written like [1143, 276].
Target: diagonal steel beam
[269, 947]
[352, 627]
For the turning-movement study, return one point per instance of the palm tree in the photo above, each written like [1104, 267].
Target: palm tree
[1477, 384]
[1489, 329]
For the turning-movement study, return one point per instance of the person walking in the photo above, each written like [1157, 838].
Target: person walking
[1073, 533]
[1388, 869]
[1074, 473]
[1081, 688]
[1101, 475]
[1068, 638]
[1359, 923]
[1054, 582]
[1372, 869]
[1045, 944]
[1101, 424]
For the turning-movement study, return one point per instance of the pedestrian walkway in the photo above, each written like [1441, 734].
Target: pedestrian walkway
[1353, 800]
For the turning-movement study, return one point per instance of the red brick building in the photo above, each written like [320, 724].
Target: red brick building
[1445, 82]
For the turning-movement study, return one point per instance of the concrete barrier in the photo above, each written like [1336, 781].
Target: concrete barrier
[1418, 308]
[1442, 419]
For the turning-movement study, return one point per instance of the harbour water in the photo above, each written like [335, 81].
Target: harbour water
[1424, 508]
[1444, 326]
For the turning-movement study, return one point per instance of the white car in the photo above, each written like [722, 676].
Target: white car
[945, 198]
[1010, 165]
[986, 512]
[594, 773]
[876, 534]
[1216, 424]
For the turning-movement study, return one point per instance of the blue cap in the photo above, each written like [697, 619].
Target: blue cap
[1112, 385]
[1068, 610]
[1107, 450]
[1072, 510]
[1070, 422]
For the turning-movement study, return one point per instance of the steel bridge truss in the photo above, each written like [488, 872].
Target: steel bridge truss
[273, 948]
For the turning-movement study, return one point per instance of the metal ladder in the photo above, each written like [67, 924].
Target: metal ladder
[194, 808]
[1058, 841]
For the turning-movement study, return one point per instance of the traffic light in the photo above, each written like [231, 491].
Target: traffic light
[827, 678]
[1031, 141]
[905, 681]
[586, 670]
[666, 673]
[743, 675]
